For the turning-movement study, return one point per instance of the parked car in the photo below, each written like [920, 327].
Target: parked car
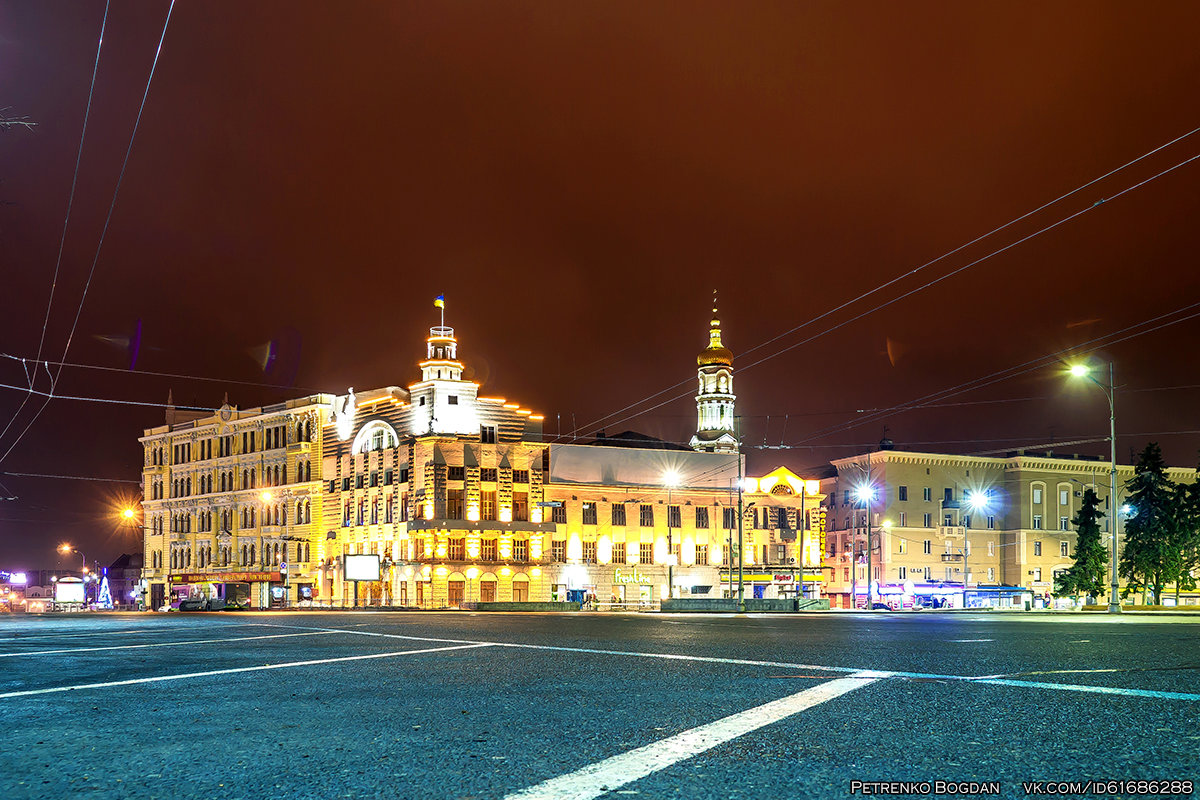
[193, 604]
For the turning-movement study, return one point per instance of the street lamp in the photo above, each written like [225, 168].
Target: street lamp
[1084, 371]
[671, 481]
[978, 502]
[865, 494]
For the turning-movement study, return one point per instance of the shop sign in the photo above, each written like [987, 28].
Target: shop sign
[224, 577]
[631, 576]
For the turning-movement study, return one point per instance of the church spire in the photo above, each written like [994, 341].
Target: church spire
[715, 398]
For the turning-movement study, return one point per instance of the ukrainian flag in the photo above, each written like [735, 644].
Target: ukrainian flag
[440, 302]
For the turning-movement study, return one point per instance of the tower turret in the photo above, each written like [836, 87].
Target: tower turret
[715, 397]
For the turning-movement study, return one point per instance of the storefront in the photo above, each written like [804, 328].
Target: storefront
[237, 589]
[785, 583]
[629, 586]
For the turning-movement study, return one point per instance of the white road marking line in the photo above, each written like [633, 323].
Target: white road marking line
[162, 644]
[612, 773]
[988, 679]
[75, 634]
[234, 670]
[972, 640]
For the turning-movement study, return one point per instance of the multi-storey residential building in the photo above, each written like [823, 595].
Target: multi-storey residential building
[229, 499]
[949, 528]
[460, 500]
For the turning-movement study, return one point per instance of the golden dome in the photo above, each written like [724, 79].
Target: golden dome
[716, 354]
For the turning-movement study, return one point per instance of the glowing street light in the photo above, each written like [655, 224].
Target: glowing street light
[978, 501]
[128, 513]
[671, 481]
[1084, 371]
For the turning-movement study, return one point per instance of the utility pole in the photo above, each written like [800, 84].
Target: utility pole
[741, 584]
[870, 559]
[801, 522]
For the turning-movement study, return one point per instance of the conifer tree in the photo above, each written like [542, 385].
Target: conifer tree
[1086, 576]
[1149, 558]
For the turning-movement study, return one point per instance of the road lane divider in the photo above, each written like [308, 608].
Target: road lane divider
[234, 670]
[620, 770]
[69, 650]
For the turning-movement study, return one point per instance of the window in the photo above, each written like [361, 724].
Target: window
[903, 573]
[673, 517]
[374, 479]
[701, 516]
[388, 475]
[1037, 548]
[645, 553]
[419, 549]
[1063, 548]
[927, 494]
[521, 506]
[902, 492]
[457, 549]
[452, 399]
[1064, 523]
[618, 552]
[1037, 573]
[487, 475]
[1037, 496]
[455, 507]
[928, 520]
[489, 505]
[456, 473]
[589, 552]
[901, 546]
[520, 549]
[618, 515]
[489, 549]
[589, 513]
[702, 554]
[991, 574]
[345, 485]
[487, 435]
[991, 523]
[404, 475]
[928, 573]
[558, 515]
[1064, 497]
[558, 550]
[991, 548]
[927, 546]
[520, 476]
[729, 518]
[358, 481]
[1037, 522]
[903, 519]
[646, 516]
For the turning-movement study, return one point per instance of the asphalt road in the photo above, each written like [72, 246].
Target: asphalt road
[462, 705]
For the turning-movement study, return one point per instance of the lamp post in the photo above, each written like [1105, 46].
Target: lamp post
[671, 481]
[1084, 371]
[978, 502]
[865, 494]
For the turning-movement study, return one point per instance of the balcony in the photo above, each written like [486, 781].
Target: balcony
[952, 531]
[951, 557]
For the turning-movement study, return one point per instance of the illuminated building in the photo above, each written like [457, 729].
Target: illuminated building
[460, 500]
[230, 498]
[1002, 523]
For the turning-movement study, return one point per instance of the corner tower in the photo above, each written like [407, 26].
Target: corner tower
[714, 399]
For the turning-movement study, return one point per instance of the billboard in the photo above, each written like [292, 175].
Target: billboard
[361, 568]
[68, 591]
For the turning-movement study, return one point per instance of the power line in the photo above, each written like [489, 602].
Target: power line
[103, 232]
[910, 273]
[67, 219]
[179, 376]
[69, 477]
[51, 395]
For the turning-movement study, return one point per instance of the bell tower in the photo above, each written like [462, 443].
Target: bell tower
[715, 397]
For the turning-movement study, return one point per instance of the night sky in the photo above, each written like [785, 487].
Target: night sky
[577, 178]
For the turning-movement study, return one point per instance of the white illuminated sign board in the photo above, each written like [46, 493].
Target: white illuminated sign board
[362, 568]
[68, 592]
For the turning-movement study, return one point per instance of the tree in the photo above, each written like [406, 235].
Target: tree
[1150, 557]
[1187, 536]
[1086, 576]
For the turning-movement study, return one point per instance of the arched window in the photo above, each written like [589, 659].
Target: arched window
[376, 435]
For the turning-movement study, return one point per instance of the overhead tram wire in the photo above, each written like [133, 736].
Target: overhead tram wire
[67, 219]
[112, 401]
[103, 232]
[926, 285]
[1011, 372]
[69, 477]
[179, 376]
[911, 272]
